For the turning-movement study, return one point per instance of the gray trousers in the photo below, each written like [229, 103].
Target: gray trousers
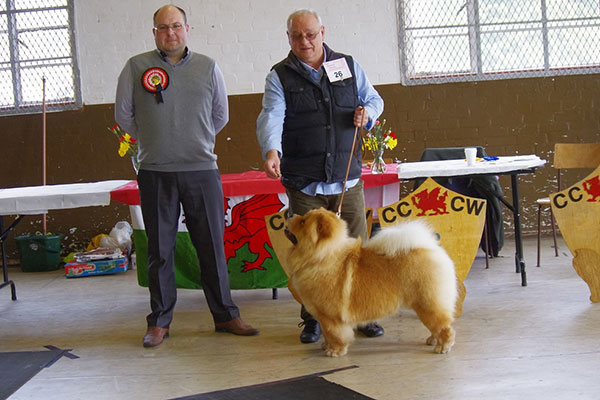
[201, 195]
[353, 212]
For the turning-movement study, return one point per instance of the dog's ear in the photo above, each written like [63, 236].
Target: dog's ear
[324, 226]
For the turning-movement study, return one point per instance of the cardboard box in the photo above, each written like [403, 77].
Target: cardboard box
[76, 269]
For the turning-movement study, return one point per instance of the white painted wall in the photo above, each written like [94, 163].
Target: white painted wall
[246, 37]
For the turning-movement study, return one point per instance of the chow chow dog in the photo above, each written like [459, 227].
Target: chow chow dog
[342, 283]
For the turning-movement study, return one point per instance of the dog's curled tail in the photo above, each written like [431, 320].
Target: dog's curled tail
[418, 234]
[404, 237]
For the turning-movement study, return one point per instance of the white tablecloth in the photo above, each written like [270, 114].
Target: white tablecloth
[505, 164]
[40, 199]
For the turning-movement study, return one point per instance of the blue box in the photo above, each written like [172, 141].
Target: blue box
[76, 269]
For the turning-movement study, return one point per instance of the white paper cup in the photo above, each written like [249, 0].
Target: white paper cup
[470, 155]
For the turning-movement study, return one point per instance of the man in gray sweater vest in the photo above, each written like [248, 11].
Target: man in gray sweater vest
[174, 102]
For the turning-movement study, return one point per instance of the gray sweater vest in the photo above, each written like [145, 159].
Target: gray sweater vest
[178, 133]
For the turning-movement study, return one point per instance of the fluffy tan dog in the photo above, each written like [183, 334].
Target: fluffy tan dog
[343, 284]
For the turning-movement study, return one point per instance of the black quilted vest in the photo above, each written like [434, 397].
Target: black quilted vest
[319, 125]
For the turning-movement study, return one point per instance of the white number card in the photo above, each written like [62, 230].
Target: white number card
[337, 70]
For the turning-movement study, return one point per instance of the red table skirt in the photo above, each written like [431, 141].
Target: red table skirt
[253, 182]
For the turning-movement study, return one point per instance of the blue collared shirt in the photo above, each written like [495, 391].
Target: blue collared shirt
[269, 125]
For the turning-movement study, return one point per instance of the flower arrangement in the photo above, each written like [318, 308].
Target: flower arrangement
[379, 137]
[377, 140]
[127, 145]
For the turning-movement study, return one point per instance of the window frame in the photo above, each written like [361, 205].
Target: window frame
[16, 66]
[474, 32]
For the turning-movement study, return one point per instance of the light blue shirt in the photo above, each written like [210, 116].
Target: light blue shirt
[269, 125]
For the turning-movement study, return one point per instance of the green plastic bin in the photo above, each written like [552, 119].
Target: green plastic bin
[39, 252]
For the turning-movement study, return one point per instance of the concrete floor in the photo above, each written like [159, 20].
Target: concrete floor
[536, 342]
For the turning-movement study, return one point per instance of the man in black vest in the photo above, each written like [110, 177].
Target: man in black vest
[314, 100]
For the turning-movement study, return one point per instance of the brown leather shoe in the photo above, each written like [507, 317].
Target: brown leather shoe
[236, 326]
[155, 335]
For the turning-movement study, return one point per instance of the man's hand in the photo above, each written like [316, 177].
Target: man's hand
[271, 165]
[361, 117]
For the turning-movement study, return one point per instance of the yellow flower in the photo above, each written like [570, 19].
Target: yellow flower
[392, 143]
[125, 144]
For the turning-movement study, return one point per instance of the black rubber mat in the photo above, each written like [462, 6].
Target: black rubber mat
[302, 388]
[19, 367]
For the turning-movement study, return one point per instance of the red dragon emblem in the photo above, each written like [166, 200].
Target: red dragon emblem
[248, 226]
[592, 187]
[431, 201]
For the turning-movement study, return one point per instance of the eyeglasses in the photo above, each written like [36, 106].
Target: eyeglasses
[297, 37]
[174, 27]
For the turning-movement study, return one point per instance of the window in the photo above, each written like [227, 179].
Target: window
[37, 56]
[473, 40]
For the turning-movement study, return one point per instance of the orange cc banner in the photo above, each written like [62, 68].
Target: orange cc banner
[577, 212]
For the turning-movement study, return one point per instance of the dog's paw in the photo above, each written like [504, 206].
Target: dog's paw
[440, 348]
[431, 341]
[443, 348]
[331, 352]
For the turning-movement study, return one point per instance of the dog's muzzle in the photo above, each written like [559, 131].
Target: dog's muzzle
[291, 237]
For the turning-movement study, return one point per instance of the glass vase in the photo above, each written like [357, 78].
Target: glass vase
[378, 166]
[135, 163]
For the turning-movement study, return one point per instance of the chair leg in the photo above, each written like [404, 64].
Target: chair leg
[553, 233]
[490, 246]
[487, 244]
[539, 232]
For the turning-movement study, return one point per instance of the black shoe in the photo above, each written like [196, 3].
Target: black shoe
[311, 332]
[372, 329]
